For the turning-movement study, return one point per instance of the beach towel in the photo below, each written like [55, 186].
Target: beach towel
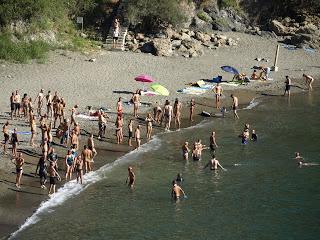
[87, 117]
[192, 90]
[22, 132]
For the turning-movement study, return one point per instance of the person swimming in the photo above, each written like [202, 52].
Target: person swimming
[301, 162]
[254, 136]
[179, 178]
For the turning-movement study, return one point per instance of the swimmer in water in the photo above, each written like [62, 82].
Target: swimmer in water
[131, 177]
[301, 162]
[214, 164]
[179, 178]
[185, 150]
[177, 191]
[254, 136]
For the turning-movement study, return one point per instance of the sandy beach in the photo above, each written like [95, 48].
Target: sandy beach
[111, 76]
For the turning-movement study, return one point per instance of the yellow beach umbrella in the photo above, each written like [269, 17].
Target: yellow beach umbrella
[158, 88]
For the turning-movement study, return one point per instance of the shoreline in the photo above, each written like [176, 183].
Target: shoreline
[110, 77]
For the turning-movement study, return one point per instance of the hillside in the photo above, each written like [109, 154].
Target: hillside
[30, 28]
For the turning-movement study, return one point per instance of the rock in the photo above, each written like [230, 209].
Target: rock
[83, 35]
[220, 24]
[92, 60]
[176, 43]
[163, 47]
[140, 37]
[287, 21]
[200, 25]
[148, 48]
[186, 55]
[278, 28]
[135, 41]
[129, 37]
[308, 29]
[133, 47]
[185, 37]
[203, 37]
[182, 48]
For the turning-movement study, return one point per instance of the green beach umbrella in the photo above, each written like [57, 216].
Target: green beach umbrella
[158, 88]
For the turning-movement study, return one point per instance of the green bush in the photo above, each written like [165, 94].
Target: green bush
[154, 13]
[22, 51]
[203, 16]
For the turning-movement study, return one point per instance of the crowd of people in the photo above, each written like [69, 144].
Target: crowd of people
[68, 131]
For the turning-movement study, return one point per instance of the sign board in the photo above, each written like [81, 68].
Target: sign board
[79, 19]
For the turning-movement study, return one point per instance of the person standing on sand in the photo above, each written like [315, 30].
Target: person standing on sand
[136, 102]
[213, 143]
[39, 100]
[12, 106]
[5, 130]
[177, 113]
[69, 161]
[214, 164]
[33, 126]
[185, 151]
[14, 142]
[137, 136]
[167, 113]
[177, 191]
[78, 168]
[59, 113]
[157, 112]
[218, 93]
[73, 115]
[49, 105]
[54, 176]
[131, 177]
[116, 32]
[149, 120]
[130, 132]
[42, 166]
[192, 108]
[74, 139]
[288, 86]
[102, 122]
[91, 146]
[119, 131]
[119, 107]
[17, 103]
[87, 158]
[309, 80]
[235, 103]
[18, 161]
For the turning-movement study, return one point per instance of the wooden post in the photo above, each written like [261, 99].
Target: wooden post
[275, 67]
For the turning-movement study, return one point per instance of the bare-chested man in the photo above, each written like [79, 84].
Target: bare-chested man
[309, 80]
[59, 113]
[18, 161]
[214, 164]
[87, 158]
[91, 146]
[218, 92]
[79, 169]
[39, 100]
[177, 113]
[54, 176]
[5, 130]
[131, 177]
[192, 108]
[185, 151]
[49, 99]
[73, 115]
[177, 191]
[157, 112]
[102, 124]
[74, 139]
[235, 104]
[119, 129]
[213, 143]
[136, 102]
[17, 104]
[14, 142]
[167, 114]
[137, 135]
[12, 106]
[33, 126]
[119, 107]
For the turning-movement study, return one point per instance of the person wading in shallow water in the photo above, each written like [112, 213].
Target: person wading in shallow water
[131, 177]
[235, 103]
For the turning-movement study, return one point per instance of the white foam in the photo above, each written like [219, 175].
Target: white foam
[252, 104]
[72, 188]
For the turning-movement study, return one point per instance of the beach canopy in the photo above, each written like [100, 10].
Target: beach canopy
[158, 88]
[230, 69]
[144, 78]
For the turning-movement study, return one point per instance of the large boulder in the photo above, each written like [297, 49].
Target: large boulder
[203, 37]
[147, 47]
[278, 28]
[308, 29]
[200, 25]
[176, 43]
[163, 47]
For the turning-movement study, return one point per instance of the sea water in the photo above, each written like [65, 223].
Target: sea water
[264, 194]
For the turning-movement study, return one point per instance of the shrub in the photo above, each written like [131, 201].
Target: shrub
[203, 16]
[21, 51]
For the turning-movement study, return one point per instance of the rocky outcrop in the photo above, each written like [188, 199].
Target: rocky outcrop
[185, 42]
[278, 28]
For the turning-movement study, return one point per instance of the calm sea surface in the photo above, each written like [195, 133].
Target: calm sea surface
[263, 195]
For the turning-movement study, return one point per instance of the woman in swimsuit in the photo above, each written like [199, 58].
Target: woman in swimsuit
[185, 151]
[130, 128]
[149, 121]
[69, 165]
